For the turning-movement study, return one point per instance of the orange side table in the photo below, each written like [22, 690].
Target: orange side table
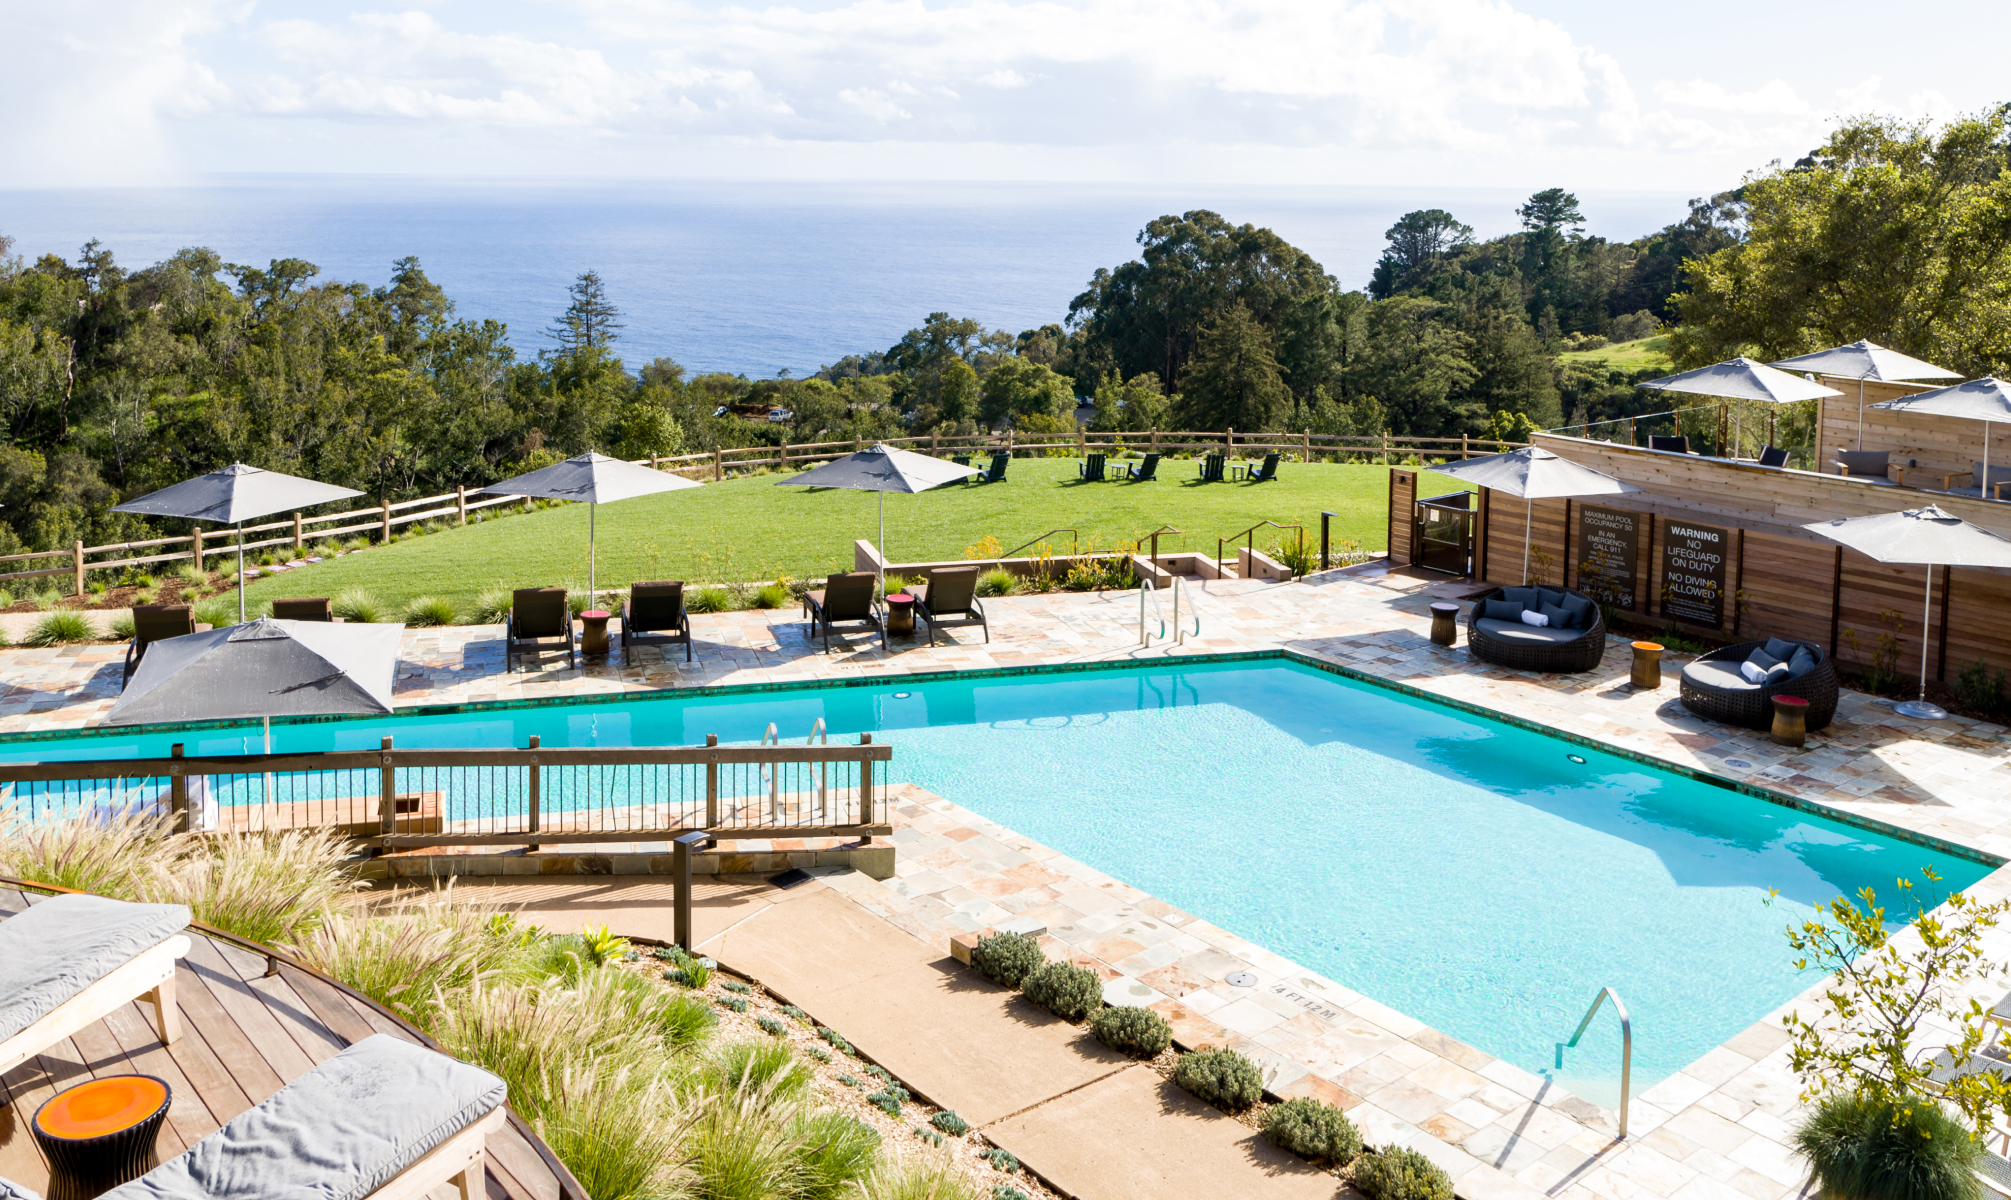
[101, 1133]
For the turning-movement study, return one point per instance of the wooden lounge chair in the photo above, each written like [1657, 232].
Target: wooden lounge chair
[539, 618]
[1141, 472]
[1773, 456]
[950, 599]
[653, 615]
[1680, 444]
[318, 608]
[1268, 473]
[994, 473]
[154, 623]
[1211, 468]
[848, 597]
[1874, 465]
[1091, 470]
[73, 960]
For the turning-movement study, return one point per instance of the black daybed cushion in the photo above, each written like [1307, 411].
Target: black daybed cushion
[1516, 631]
[1779, 649]
[1560, 617]
[1581, 609]
[339, 1132]
[1527, 597]
[1502, 610]
[65, 944]
[1801, 663]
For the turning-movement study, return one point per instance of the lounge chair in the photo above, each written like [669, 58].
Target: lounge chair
[1874, 465]
[962, 460]
[950, 599]
[653, 615]
[1773, 456]
[1091, 470]
[1268, 473]
[848, 597]
[1211, 468]
[994, 473]
[1141, 472]
[539, 617]
[157, 623]
[1714, 688]
[73, 960]
[319, 608]
[2000, 476]
[1574, 641]
[1680, 444]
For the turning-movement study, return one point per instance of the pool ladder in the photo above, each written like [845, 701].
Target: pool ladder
[1626, 1046]
[773, 778]
[1148, 593]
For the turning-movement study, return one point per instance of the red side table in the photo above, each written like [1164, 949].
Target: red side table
[901, 613]
[1791, 720]
[593, 639]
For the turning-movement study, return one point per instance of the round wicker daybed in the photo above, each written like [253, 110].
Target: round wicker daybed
[1713, 688]
[1532, 648]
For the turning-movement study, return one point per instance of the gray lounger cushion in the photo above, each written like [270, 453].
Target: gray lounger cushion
[339, 1132]
[10, 1190]
[1721, 676]
[67, 943]
[1516, 631]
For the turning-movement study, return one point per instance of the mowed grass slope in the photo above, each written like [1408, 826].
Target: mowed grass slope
[750, 529]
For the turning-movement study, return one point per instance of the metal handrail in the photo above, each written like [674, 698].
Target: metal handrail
[1251, 533]
[1179, 630]
[1626, 1046]
[1145, 589]
[772, 736]
[817, 732]
[1074, 542]
[1153, 537]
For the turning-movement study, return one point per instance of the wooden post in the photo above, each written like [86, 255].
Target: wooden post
[932, 444]
[1155, 439]
[1463, 451]
[178, 795]
[461, 501]
[785, 452]
[387, 787]
[858, 444]
[195, 545]
[384, 524]
[654, 465]
[1307, 437]
[533, 782]
[80, 568]
[1081, 441]
[718, 464]
[712, 785]
[299, 542]
[1229, 444]
[866, 784]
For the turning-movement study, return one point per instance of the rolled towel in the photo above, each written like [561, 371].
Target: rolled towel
[1530, 617]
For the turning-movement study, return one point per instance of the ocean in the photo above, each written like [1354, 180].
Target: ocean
[755, 278]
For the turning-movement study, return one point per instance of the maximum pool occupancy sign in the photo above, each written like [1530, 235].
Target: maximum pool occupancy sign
[1693, 572]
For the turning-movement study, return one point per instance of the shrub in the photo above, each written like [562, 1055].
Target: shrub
[950, 1123]
[60, 628]
[424, 612]
[772, 1027]
[935, 1177]
[97, 586]
[1002, 1160]
[1132, 1030]
[767, 1069]
[1311, 1129]
[325, 548]
[492, 606]
[710, 599]
[217, 611]
[836, 1039]
[1006, 958]
[1981, 692]
[737, 987]
[1401, 1173]
[773, 595]
[850, 1081]
[265, 560]
[1866, 1146]
[1068, 991]
[733, 1002]
[191, 575]
[6, 598]
[795, 1014]
[356, 543]
[122, 623]
[818, 1054]
[1006, 1191]
[997, 582]
[48, 599]
[1222, 1077]
[358, 606]
[838, 1151]
[888, 1101]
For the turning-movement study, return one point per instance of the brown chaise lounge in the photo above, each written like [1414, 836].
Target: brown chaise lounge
[312, 608]
[653, 615]
[157, 623]
[950, 599]
[847, 597]
[539, 620]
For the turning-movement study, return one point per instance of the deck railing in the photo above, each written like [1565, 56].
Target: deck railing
[393, 798]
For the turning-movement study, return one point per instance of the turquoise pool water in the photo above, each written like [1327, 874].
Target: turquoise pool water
[1463, 871]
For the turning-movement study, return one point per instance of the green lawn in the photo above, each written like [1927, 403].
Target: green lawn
[1628, 356]
[748, 529]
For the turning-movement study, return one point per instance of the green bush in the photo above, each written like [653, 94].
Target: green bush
[492, 605]
[1982, 692]
[324, 548]
[1002, 1161]
[737, 988]
[818, 1054]
[836, 1039]
[950, 1123]
[358, 606]
[1313, 1130]
[767, 1068]
[122, 625]
[773, 595]
[1132, 1030]
[1401, 1173]
[710, 599]
[1867, 1148]
[997, 582]
[191, 575]
[96, 585]
[60, 628]
[217, 611]
[888, 1100]
[1006, 958]
[424, 612]
[795, 1014]
[1222, 1077]
[772, 1027]
[733, 1002]
[1068, 991]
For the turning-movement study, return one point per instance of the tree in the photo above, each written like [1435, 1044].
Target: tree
[959, 393]
[922, 355]
[1551, 210]
[1234, 381]
[1413, 363]
[1018, 388]
[591, 320]
[1419, 244]
[1894, 231]
[1135, 405]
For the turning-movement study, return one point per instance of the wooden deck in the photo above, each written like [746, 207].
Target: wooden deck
[245, 1033]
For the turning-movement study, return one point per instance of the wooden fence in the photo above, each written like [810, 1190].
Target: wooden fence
[298, 530]
[394, 799]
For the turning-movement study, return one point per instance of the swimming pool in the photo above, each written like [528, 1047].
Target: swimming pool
[1480, 877]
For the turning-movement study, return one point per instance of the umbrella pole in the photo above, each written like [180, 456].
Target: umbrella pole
[240, 572]
[883, 542]
[1920, 709]
[593, 560]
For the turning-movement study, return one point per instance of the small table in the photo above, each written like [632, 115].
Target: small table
[1647, 673]
[101, 1133]
[1444, 623]
[901, 613]
[593, 638]
[1791, 720]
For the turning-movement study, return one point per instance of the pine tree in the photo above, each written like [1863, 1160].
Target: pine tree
[1233, 382]
[591, 320]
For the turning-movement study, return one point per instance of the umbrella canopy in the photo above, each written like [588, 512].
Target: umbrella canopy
[881, 468]
[263, 669]
[596, 479]
[1743, 379]
[1987, 399]
[1534, 473]
[1927, 536]
[1865, 360]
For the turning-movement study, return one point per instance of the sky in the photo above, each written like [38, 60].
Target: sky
[1429, 92]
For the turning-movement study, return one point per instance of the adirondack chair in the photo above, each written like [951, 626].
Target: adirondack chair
[1140, 472]
[653, 615]
[1211, 468]
[1268, 473]
[539, 618]
[1091, 471]
[848, 597]
[994, 473]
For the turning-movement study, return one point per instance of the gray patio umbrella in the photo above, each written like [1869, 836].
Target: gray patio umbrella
[1987, 399]
[233, 496]
[1534, 473]
[1922, 535]
[881, 468]
[1862, 361]
[596, 479]
[263, 669]
[1743, 379]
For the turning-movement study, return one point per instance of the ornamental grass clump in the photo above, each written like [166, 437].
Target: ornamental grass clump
[1401, 1173]
[997, 582]
[1137, 1031]
[358, 607]
[1068, 991]
[1006, 958]
[60, 628]
[709, 599]
[1311, 1129]
[426, 612]
[1222, 1077]
[1862, 1147]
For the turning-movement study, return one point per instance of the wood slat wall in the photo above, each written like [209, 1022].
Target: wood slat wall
[1403, 525]
[1938, 444]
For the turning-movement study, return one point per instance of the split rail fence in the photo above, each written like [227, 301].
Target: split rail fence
[392, 798]
[298, 530]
